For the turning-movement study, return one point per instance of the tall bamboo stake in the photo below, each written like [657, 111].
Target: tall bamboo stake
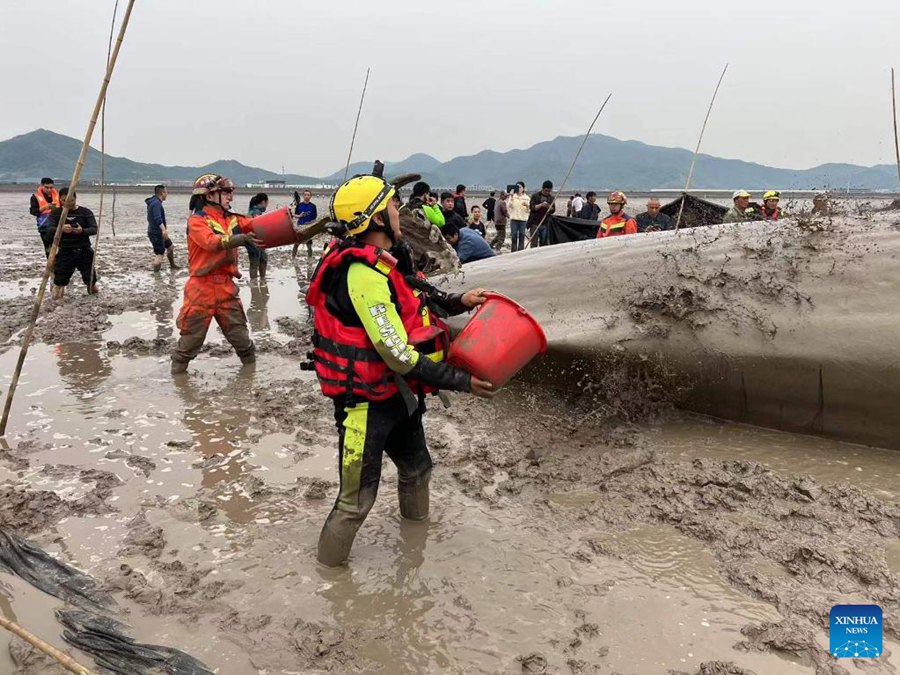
[356, 125]
[62, 658]
[112, 26]
[571, 166]
[690, 176]
[51, 258]
[112, 221]
[896, 140]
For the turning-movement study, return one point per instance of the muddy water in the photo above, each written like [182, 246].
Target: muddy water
[540, 553]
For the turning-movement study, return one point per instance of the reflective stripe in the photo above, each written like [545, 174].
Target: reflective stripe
[217, 228]
[354, 446]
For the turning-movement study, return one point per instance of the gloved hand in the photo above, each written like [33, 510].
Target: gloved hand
[241, 239]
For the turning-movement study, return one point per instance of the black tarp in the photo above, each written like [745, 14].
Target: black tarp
[697, 212]
[89, 625]
[563, 230]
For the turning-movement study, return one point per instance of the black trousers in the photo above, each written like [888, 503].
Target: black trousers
[70, 259]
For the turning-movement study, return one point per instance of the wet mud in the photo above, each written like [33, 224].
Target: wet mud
[581, 523]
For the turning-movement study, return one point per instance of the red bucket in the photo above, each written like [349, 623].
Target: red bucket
[275, 228]
[499, 340]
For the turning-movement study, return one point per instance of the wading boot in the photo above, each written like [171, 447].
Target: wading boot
[413, 492]
[170, 254]
[179, 367]
[254, 269]
[340, 530]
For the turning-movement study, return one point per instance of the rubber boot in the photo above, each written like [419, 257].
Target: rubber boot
[340, 530]
[414, 496]
[263, 264]
[179, 366]
[57, 292]
[170, 254]
[157, 263]
[254, 268]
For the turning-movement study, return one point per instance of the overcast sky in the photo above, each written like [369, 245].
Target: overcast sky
[274, 82]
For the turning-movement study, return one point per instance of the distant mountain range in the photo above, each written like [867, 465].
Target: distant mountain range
[605, 163]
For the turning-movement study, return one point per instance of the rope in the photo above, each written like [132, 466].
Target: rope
[63, 659]
[356, 126]
[690, 176]
[103, 155]
[571, 166]
[51, 258]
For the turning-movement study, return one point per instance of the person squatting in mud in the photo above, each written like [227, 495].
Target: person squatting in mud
[379, 344]
[75, 252]
[214, 234]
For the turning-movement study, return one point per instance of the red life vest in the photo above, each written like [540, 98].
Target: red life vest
[345, 359]
[774, 214]
[44, 205]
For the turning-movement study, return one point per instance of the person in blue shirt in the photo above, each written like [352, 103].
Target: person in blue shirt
[469, 245]
[157, 230]
[306, 215]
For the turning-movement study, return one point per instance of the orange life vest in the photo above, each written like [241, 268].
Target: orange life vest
[617, 224]
[44, 205]
[345, 359]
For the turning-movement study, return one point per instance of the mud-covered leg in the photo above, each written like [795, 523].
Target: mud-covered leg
[362, 429]
[233, 321]
[193, 322]
[408, 450]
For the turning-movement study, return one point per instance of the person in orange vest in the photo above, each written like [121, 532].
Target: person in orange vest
[770, 209]
[214, 234]
[379, 348]
[42, 201]
[618, 222]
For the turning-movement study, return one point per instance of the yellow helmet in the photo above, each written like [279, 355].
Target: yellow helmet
[355, 202]
[772, 194]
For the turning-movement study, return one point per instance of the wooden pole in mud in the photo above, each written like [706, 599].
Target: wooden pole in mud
[690, 176]
[51, 258]
[356, 125]
[112, 221]
[63, 659]
[112, 26]
[896, 139]
[571, 167]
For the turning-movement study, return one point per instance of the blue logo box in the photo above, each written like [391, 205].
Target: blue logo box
[856, 632]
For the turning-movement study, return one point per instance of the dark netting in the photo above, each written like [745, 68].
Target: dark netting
[88, 625]
[562, 230]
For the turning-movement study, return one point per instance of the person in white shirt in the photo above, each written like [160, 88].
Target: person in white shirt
[518, 216]
[577, 204]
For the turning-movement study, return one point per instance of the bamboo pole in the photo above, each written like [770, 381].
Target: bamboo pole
[112, 26]
[571, 167]
[690, 176]
[62, 658]
[73, 185]
[896, 139]
[112, 222]
[356, 125]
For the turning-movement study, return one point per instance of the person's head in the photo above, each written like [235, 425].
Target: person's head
[616, 201]
[492, 193]
[47, 186]
[653, 206]
[307, 195]
[421, 189]
[546, 188]
[577, 194]
[461, 189]
[366, 207]
[771, 199]
[591, 197]
[431, 198]
[215, 189]
[741, 199]
[503, 195]
[476, 213]
[520, 187]
[259, 200]
[447, 201]
[68, 200]
[451, 234]
[161, 192]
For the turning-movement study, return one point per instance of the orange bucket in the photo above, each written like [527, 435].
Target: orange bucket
[499, 340]
[275, 228]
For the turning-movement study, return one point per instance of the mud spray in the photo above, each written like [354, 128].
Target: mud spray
[583, 521]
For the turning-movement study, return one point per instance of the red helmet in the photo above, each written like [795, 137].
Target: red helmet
[617, 198]
[211, 182]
